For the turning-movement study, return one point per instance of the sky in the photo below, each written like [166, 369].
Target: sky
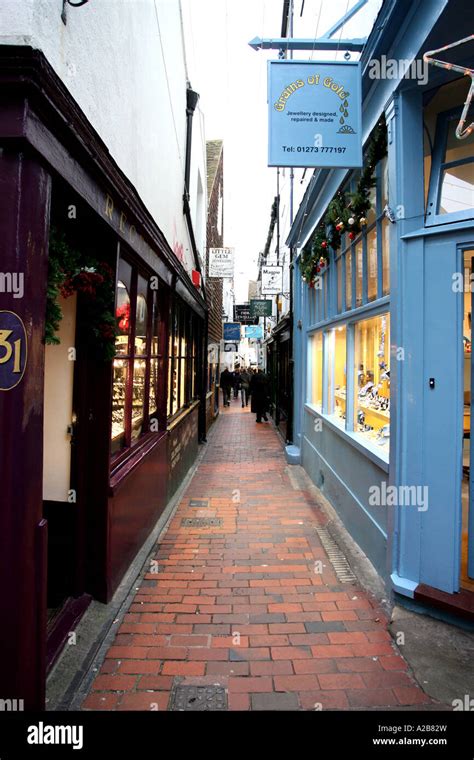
[231, 79]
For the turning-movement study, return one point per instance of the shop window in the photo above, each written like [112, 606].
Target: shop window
[336, 388]
[359, 272]
[182, 351]
[339, 283]
[316, 364]
[385, 256]
[348, 279]
[450, 161]
[384, 182]
[372, 379]
[136, 366]
[372, 264]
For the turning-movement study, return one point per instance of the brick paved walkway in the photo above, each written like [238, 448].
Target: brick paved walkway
[245, 604]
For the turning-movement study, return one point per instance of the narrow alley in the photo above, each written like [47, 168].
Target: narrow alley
[250, 601]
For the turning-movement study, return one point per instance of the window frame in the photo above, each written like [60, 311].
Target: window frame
[327, 317]
[130, 446]
[186, 322]
[344, 426]
[438, 165]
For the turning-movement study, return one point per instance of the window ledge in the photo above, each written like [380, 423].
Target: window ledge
[125, 468]
[445, 227]
[380, 458]
[174, 421]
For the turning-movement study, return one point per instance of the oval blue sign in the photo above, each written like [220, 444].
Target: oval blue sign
[13, 350]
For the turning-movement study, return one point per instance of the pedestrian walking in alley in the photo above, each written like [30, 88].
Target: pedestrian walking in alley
[245, 378]
[259, 393]
[237, 384]
[226, 383]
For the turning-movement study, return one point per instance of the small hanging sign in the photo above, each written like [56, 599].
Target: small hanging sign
[314, 114]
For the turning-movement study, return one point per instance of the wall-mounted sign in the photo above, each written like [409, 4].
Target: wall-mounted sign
[254, 331]
[232, 331]
[260, 308]
[242, 314]
[272, 280]
[314, 112]
[13, 350]
[221, 262]
[232, 347]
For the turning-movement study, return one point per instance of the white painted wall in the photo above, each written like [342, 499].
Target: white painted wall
[124, 63]
[58, 384]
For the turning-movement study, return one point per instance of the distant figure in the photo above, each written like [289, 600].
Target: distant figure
[259, 393]
[226, 383]
[236, 383]
[245, 378]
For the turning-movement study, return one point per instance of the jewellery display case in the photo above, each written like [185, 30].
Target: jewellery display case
[372, 375]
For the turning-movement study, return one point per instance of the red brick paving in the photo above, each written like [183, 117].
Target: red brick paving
[241, 605]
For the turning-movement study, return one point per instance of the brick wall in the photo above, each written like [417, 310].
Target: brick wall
[215, 240]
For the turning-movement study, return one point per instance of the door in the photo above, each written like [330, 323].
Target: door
[467, 541]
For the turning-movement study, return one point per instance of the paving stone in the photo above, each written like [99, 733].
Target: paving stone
[274, 702]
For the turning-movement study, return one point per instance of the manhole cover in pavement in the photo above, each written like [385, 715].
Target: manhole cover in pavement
[199, 698]
[199, 503]
[200, 522]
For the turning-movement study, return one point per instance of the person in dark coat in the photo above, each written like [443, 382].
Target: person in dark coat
[226, 383]
[259, 394]
[236, 383]
[245, 378]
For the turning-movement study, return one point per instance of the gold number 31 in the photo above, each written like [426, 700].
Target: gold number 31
[6, 344]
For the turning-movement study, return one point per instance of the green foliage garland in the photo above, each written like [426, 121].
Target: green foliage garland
[70, 271]
[346, 212]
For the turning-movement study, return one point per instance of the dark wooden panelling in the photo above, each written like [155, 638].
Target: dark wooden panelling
[25, 189]
[133, 511]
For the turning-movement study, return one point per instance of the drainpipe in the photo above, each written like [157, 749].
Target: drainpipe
[192, 98]
[191, 103]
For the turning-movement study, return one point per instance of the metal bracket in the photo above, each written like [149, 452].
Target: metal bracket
[321, 43]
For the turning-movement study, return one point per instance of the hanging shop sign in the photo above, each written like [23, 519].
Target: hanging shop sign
[260, 308]
[232, 347]
[232, 331]
[13, 350]
[242, 314]
[314, 114]
[272, 280]
[221, 262]
[254, 331]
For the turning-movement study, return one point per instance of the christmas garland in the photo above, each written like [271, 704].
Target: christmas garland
[70, 271]
[347, 211]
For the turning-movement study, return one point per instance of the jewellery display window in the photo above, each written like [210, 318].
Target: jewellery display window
[372, 379]
[316, 363]
[136, 366]
[121, 364]
[182, 386]
[336, 392]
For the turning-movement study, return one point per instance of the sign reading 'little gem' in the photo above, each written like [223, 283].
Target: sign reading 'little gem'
[314, 114]
[13, 350]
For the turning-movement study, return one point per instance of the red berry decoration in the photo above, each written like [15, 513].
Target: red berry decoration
[318, 268]
[324, 244]
[351, 236]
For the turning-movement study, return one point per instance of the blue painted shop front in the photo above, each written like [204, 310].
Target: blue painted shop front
[382, 337]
